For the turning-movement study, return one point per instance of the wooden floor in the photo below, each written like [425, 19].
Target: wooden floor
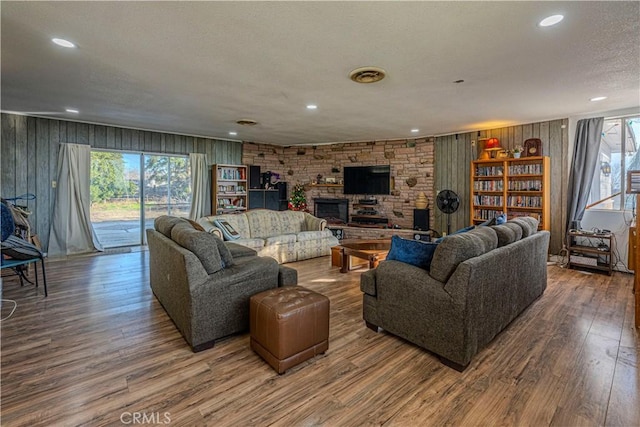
[100, 350]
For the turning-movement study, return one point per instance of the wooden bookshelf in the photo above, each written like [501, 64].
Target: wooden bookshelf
[228, 189]
[517, 187]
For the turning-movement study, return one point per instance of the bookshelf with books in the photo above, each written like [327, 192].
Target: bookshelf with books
[228, 189]
[517, 187]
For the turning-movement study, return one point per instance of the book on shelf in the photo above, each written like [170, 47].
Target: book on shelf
[528, 169]
[233, 174]
[489, 171]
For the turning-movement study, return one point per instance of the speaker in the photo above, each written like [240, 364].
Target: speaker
[421, 219]
[282, 189]
[254, 177]
[337, 232]
[422, 237]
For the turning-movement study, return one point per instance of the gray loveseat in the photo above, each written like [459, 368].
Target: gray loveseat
[479, 281]
[285, 236]
[203, 283]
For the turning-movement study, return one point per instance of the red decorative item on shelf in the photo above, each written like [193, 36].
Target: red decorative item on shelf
[492, 143]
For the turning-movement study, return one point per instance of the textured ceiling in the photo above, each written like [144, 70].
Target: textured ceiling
[197, 67]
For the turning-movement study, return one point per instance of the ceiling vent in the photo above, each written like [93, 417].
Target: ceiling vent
[247, 122]
[367, 74]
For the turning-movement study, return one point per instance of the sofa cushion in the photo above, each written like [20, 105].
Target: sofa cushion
[462, 230]
[487, 236]
[165, 223]
[263, 223]
[225, 253]
[291, 222]
[414, 252]
[256, 244]
[507, 233]
[227, 229]
[458, 248]
[280, 240]
[238, 251]
[202, 244]
[528, 224]
[313, 235]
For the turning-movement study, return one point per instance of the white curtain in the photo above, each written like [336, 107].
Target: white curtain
[199, 187]
[71, 231]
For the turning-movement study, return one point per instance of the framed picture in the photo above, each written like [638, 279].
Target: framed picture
[330, 180]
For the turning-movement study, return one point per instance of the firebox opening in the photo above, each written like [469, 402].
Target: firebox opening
[335, 211]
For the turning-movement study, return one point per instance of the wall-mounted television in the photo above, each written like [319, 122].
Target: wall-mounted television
[367, 180]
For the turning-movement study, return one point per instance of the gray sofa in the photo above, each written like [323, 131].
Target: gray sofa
[479, 281]
[286, 236]
[205, 284]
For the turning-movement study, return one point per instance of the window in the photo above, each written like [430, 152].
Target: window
[130, 190]
[619, 149]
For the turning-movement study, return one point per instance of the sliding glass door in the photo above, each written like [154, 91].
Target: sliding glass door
[167, 187]
[130, 190]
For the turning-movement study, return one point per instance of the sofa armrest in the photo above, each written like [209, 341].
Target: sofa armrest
[173, 272]
[313, 223]
[368, 282]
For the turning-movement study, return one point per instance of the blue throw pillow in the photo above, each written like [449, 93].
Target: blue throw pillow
[414, 252]
[501, 219]
[228, 231]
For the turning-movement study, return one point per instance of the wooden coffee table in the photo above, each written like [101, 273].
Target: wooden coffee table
[373, 251]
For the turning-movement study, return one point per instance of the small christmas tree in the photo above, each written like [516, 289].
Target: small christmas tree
[298, 199]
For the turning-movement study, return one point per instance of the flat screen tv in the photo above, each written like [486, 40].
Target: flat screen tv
[367, 180]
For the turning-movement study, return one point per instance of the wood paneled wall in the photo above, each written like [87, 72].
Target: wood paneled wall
[29, 152]
[454, 153]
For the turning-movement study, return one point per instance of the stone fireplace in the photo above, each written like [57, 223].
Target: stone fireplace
[335, 211]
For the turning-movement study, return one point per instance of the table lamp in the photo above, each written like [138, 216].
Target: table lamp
[492, 145]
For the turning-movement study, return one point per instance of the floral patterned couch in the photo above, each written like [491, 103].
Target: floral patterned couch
[286, 236]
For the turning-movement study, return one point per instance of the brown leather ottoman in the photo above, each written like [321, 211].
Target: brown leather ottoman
[289, 325]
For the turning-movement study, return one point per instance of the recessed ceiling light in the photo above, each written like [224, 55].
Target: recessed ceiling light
[63, 42]
[72, 110]
[598, 98]
[551, 20]
[312, 107]
[415, 130]
[232, 133]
